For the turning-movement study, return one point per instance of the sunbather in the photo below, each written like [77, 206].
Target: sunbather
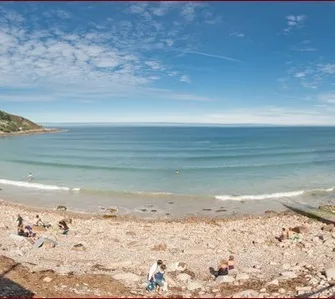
[63, 226]
[222, 269]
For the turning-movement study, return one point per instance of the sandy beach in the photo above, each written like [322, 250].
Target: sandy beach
[116, 253]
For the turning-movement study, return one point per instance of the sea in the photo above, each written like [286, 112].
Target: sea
[186, 170]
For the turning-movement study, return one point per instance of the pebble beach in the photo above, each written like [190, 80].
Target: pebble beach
[120, 250]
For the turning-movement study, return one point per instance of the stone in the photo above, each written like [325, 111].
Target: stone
[246, 294]
[79, 247]
[281, 291]
[61, 208]
[224, 279]
[194, 285]
[127, 277]
[242, 276]
[330, 273]
[274, 282]
[183, 277]
[47, 279]
[300, 229]
[289, 274]
[176, 266]
[286, 266]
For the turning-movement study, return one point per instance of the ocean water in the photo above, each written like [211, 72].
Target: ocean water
[131, 162]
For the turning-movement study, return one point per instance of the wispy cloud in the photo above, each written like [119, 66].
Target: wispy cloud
[236, 34]
[294, 22]
[185, 79]
[213, 55]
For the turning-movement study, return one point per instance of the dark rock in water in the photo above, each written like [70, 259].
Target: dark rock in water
[220, 210]
[153, 211]
[111, 210]
[171, 202]
[167, 214]
[270, 212]
[144, 210]
[61, 208]
[207, 209]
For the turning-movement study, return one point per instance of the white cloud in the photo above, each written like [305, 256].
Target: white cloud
[188, 11]
[327, 97]
[236, 34]
[185, 79]
[294, 22]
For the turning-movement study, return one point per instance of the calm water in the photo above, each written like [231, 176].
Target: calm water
[221, 162]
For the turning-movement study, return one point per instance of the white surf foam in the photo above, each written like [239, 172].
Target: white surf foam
[273, 195]
[37, 186]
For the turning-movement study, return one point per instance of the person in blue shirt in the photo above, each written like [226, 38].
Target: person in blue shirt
[159, 278]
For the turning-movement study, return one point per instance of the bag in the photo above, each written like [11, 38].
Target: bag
[151, 286]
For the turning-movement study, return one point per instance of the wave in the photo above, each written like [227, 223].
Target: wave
[312, 192]
[37, 186]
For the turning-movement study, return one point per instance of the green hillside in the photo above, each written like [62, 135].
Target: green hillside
[10, 123]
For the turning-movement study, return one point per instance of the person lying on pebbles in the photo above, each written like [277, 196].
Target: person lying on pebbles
[222, 269]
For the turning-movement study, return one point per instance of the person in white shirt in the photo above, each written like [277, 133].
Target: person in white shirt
[30, 177]
[153, 269]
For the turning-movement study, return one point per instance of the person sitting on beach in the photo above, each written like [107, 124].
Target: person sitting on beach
[63, 226]
[21, 232]
[159, 278]
[231, 263]
[39, 222]
[222, 269]
[29, 230]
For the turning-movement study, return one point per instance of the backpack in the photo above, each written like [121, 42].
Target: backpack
[151, 286]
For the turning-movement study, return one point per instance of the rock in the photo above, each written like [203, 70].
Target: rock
[224, 279]
[195, 250]
[289, 274]
[176, 266]
[246, 294]
[159, 247]
[61, 208]
[47, 279]
[281, 291]
[300, 229]
[79, 247]
[127, 277]
[330, 273]
[286, 266]
[183, 277]
[242, 276]
[194, 285]
[328, 227]
[274, 282]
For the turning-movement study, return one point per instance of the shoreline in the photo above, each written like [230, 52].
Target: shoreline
[33, 132]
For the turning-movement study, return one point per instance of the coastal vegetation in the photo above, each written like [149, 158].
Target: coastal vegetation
[10, 123]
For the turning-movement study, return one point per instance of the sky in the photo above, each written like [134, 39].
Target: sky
[173, 62]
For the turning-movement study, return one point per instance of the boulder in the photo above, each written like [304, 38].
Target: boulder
[246, 294]
[194, 285]
[330, 273]
[130, 277]
[176, 266]
[224, 279]
[183, 277]
[61, 208]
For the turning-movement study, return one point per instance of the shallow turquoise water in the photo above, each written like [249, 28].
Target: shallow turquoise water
[226, 162]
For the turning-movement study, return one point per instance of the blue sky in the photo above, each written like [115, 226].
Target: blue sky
[192, 62]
